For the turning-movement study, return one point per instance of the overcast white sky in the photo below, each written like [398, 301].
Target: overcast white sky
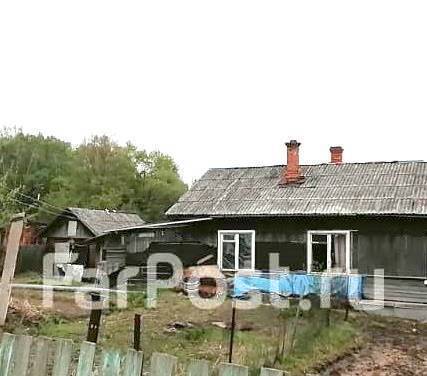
[220, 83]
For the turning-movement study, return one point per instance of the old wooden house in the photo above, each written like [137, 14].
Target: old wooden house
[367, 218]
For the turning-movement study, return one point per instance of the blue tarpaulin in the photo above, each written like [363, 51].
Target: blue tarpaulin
[295, 284]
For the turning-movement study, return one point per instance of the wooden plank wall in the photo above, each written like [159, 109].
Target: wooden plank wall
[22, 355]
[398, 290]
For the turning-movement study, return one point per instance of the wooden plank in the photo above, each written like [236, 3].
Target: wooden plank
[133, 363]
[6, 353]
[9, 265]
[229, 369]
[163, 365]
[62, 360]
[270, 372]
[21, 355]
[39, 367]
[86, 357]
[111, 363]
[398, 289]
[198, 368]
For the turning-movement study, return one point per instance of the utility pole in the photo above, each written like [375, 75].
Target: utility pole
[12, 249]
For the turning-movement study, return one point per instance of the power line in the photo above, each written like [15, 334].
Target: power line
[41, 208]
[38, 207]
[57, 208]
[58, 211]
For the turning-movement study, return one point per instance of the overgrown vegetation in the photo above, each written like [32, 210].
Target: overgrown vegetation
[316, 346]
[96, 174]
[256, 342]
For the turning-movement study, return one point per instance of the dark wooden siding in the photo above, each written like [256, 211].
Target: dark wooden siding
[396, 245]
[409, 290]
[399, 246]
[114, 250]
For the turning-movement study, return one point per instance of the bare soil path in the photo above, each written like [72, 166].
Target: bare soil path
[392, 348]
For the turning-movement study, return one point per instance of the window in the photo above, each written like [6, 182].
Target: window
[236, 250]
[328, 251]
[72, 229]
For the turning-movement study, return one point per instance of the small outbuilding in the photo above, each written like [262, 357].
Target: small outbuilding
[69, 231]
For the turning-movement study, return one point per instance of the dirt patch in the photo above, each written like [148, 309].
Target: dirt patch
[391, 348]
[63, 303]
[23, 308]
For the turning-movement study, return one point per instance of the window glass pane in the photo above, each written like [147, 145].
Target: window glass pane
[319, 238]
[245, 251]
[228, 236]
[338, 252]
[320, 253]
[228, 253]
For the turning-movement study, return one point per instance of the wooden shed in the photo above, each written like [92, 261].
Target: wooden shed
[69, 231]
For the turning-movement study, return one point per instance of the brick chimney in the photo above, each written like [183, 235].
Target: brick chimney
[336, 154]
[292, 172]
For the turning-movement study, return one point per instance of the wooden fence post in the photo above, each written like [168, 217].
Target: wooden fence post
[133, 363]
[111, 364]
[163, 365]
[291, 332]
[233, 328]
[61, 364]
[40, 357]
[137, 332]
[87, 355]
[198, 368]
[228, 369]
[270, 372]
[94, 319]
[21, 355]
[6, 353]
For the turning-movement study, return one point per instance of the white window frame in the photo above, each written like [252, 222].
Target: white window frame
[72, 229]
[236, 254]
[347, 234]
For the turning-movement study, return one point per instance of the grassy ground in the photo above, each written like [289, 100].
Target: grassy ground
[256, 343]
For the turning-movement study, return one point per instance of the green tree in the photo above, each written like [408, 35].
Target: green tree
[107, 175]
[8, 202]
[30, 165]
[159, 184]
[32, 161]
[101, 177]
[99, 173]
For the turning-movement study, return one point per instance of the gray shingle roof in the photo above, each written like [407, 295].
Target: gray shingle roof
[378, 188]
[100, 221]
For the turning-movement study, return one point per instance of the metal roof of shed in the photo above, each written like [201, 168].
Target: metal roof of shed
[100, 221]
[375, 188]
